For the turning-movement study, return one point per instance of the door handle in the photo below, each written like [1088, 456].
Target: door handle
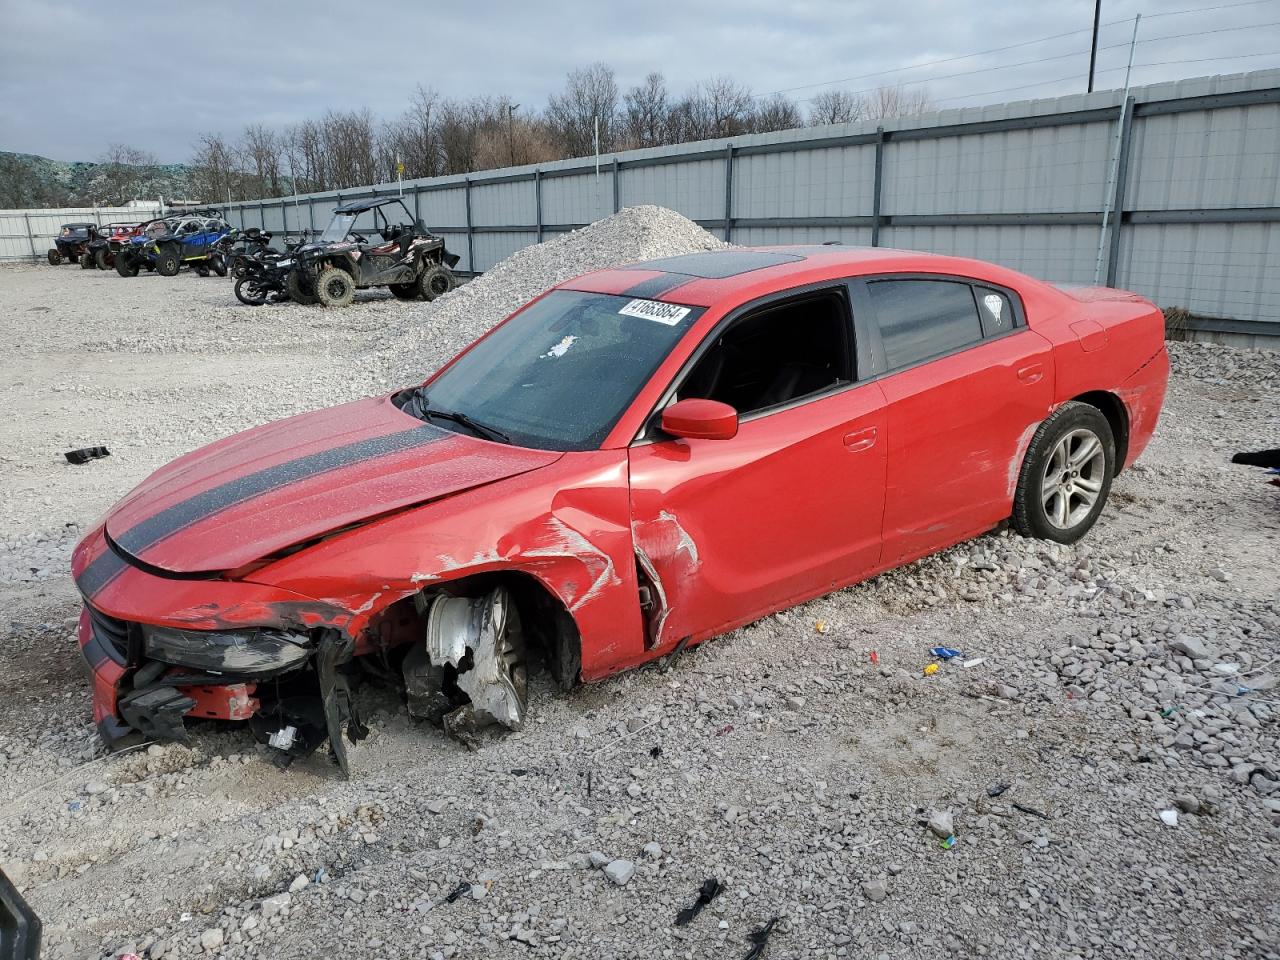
[1032, 373]
[860, 440]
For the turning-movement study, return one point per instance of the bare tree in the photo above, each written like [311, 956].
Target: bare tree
[348, 145]
[777, 112]
[888, 103]
[590, 95]
[122, 172]
[835, 106]
[261, 149]
[646, 113]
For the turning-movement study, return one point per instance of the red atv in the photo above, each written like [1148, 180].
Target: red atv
[111, 237]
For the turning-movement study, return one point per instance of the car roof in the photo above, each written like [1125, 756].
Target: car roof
[357, 206]
[737, 273]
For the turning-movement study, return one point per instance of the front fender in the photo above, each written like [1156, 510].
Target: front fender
[566, 525]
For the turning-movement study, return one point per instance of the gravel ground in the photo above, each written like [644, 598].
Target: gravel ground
[1103, 688]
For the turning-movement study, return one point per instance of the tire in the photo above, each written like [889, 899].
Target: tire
[249, 293]
[100, 259]
[202, 270]
[86, 261]
[404, 291]
[168, 263]
[218, 264]
[298, 291]
[435, 281]
[335, 287]
[1066, 475]
[73, 258]
[126, 266]
[54, 257]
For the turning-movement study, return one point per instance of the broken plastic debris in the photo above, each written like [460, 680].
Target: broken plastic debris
[1169, 817]
[85, 454]
[1226, 669]
[821, 626]
[945, 653]
[709, 891]
[948, 843]
[874, 658]
[930, 669]
[283, 738]
[760, 940]
[967, 663]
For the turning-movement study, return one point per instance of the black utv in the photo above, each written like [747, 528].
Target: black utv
[71, 243]
[370, 243]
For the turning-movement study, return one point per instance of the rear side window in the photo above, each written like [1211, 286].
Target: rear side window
[995, 310]
[924, 318]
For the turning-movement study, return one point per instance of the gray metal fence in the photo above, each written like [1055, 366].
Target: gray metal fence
[1195, 219]
[28, 234]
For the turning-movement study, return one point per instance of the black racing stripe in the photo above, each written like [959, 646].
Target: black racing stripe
[657, 286]
[203, 505]
[181, 515]
[100, 572]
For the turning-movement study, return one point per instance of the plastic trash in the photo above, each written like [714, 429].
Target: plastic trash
[874, 658]
[1169, 817]
[821, 626]
[948, 843]
[85, 454]
[930, 669]
[945, 653]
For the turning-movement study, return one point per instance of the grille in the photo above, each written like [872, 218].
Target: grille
[110, 632]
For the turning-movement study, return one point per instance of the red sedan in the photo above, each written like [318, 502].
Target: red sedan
[639, 459]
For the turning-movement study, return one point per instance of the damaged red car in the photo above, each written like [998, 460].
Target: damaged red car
[639, 459]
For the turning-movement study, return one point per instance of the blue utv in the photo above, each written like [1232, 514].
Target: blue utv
[165, 244]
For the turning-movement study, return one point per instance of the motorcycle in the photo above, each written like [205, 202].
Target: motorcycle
[262, 278]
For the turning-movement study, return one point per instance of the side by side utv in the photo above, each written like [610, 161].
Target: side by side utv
[72, 242]
[370, 243]
[167, 243]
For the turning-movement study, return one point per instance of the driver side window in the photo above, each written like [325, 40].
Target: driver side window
[778, 353]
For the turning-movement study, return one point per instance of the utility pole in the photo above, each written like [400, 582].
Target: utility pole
[511, 130]
[1093, 51]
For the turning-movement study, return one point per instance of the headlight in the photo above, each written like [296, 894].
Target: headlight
[284, 263]
[250, 652]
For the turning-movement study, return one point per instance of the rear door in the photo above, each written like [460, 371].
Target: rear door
[966, 383]
[728, 530]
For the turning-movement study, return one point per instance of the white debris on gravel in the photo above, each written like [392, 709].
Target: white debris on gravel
[1129, 674]
[429, 334]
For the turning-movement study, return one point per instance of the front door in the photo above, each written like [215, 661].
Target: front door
[726, 531]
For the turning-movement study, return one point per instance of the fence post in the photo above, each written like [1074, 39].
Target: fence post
[471, 248]
[616, 193]
[1117, 202]
[311, 215]
[417, 192]
[537, 200]
[728, 193]
[877, 186]
[30, 236]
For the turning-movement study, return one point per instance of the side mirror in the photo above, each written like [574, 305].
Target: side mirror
[697, 419]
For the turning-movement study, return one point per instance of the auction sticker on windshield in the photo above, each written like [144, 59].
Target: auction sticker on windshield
[667, 313]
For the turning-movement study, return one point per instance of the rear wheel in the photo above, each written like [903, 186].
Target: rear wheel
[126, 265]
[335, 287]
[168, 262]
[201, 270]
[55, 257]
[218, 264]
[1066, 475]
[100, 259]
[436, 280]
[250, 293]
[86, 261]
[300, 289]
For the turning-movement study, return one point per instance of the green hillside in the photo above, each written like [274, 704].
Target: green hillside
[27, 180]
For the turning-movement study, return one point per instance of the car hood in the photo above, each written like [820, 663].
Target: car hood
[260, 492]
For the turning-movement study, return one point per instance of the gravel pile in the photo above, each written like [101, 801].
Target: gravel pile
[429, 334]
[1103, 754]
[1213, 363]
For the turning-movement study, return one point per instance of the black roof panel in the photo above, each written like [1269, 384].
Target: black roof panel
[718, 264]
[368, 203]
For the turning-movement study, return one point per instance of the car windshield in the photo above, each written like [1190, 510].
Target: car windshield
[75, 231]
[560, 373]
[338, 227]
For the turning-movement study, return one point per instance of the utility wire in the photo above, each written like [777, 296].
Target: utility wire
[1028, 43]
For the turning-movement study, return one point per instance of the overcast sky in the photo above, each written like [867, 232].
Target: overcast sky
[76, 76]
